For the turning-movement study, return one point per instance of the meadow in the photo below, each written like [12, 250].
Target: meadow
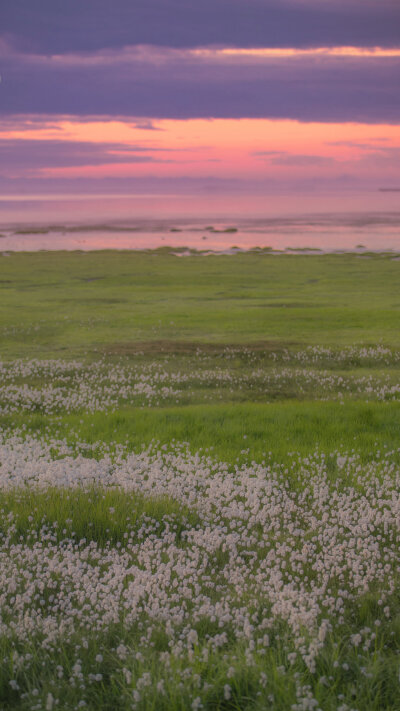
[199, 481]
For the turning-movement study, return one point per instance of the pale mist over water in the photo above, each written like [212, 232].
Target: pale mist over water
[215, 222]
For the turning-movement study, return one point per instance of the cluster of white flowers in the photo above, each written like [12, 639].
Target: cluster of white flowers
[262, 552]
[361, 355]
[317, 354]
[302, 381]
[52, 386]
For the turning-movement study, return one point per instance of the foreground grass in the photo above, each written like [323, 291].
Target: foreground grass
[123, 666]
[350, 680]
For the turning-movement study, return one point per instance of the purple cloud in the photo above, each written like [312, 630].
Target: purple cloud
[55, 27]
[30, 156]
[161, 83]
[376, 145]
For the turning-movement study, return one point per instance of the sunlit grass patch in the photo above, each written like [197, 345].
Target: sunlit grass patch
[244, 431]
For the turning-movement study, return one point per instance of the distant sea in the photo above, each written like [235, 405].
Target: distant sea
[214, 222]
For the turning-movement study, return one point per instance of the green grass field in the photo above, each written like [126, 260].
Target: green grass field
[199, 481]
[73, 303]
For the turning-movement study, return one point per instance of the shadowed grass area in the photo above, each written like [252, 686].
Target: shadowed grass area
[98, 514]
[102, 298]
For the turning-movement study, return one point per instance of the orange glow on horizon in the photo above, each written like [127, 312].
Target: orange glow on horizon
[244, 148]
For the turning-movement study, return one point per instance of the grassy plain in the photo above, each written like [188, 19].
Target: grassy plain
[74, 303]
[158, 308]
[257, 320]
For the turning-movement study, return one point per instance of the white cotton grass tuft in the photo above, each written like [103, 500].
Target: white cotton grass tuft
[58, 386]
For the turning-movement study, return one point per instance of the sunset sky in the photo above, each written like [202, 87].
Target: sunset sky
[180, 95]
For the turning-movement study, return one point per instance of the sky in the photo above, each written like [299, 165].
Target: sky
[177, 95]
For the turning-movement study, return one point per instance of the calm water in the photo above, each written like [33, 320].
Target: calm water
[210, 222]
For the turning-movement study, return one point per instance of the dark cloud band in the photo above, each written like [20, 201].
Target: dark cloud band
[150, 83]
[52, 26]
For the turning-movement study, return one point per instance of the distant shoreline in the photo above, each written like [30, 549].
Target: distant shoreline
[169, 250]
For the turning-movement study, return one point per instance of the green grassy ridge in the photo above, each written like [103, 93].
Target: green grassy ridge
[102, 298]
[257, 429]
